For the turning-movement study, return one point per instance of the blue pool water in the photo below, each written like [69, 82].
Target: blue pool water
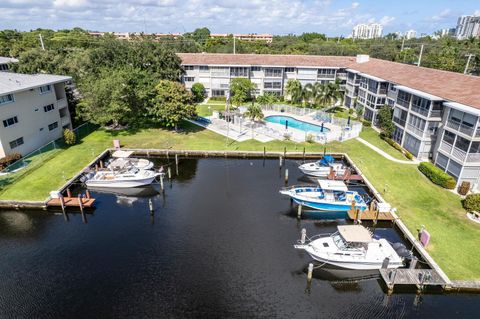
[293, 123]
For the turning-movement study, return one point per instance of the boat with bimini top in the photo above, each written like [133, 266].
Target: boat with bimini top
[322, 167]
[330, 195]
[352, 247]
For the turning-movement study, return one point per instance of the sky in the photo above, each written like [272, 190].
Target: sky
[332, 17]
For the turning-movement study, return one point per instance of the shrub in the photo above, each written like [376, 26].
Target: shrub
[464, 188]
[9, 159]
[198, 91]
[436, 175]
[310, 138]
[367, 123]
[69, 137]
[472, 202]
[408, 155]
[350, 111]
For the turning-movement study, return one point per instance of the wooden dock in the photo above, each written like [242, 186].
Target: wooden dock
[71, 202]
[370, 215]
[411, 277]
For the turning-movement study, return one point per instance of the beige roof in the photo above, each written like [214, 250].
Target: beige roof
[265, 59]
[15, 82]
[450, 86]
[355, 233]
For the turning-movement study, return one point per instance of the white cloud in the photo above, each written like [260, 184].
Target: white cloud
[70, 3]
[445, 14]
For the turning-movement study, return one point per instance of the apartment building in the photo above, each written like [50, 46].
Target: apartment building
[367, 31]
[436, 113]
[5, 62]
[270, 73]
[33, 111]
[410, 34]
[468, 26]
[245, 37]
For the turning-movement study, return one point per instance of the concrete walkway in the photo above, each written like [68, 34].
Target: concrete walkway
[387, 156]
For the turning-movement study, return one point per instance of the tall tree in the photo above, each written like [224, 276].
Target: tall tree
[241, 90]
[172, 104]
[294, 90]
[254, 113]
[198, 91]
[384, 117]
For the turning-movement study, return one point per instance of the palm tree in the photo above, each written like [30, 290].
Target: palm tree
[309, 93]
[254, 113]
[267, 99]
[335, 92]
[294, 90]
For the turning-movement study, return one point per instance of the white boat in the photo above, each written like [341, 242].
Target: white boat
[352, 247]
[121, 160]
[322, 167]
[132, 177]
[329, 196]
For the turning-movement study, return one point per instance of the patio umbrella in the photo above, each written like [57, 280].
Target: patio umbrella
[321, 128]
[286, 124]
[348, 123]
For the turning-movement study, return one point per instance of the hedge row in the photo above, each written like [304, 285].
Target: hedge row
[436, 175]
[397, 147]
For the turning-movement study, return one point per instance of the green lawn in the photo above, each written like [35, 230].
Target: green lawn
[340, 112]
[207, 109]
[455, 240]
[370, 135]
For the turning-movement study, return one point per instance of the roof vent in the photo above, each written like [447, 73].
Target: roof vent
[362, 58]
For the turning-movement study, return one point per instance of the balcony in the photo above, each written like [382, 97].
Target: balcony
[61, 103]
[446, 147]
[392, 95]
[399, 121]
[342, 76]
[404, 103]
[473, 158]
[415, 130]
[436, 113]
[461, 128]
[459, 154]
[382, 91]
[420, 110]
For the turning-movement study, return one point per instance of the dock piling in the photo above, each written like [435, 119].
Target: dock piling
[264, 151]
[169, 171]
[62, 204]
[304, 154]
[285, 152]
[299, 211]
[280, 161]
[304, 236]
[310, 272]
[161, 183]
[286, 176]
[150, 206]
[101, 164]
[69, 193]
[176, 163]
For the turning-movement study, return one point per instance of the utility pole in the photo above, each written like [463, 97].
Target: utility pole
[234, 44]
[41, 41]
[468, 63]
[403, 43]
[420, 56]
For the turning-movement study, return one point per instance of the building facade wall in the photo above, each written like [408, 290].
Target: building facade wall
[31, 117]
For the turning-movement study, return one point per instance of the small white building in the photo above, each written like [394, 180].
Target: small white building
[33, 111]
[410, 34]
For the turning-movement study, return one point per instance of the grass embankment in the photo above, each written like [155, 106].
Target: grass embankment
[372, 136]
[455, 240]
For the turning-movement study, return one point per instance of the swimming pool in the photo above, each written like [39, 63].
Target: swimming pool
[294, 123]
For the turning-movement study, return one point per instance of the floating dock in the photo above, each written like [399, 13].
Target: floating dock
[370, 215]
[71, 202]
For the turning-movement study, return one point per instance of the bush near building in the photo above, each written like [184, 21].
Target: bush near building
[436, 175]
[69, 137]
[472, 202]
[9, 159]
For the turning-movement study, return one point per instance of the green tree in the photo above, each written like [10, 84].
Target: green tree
[267, 99]
[294, 90]
[241, 90]
[199, 35]
[254, 113]
[171, 105]
[115, 96]
[384, 117]
[198, 91]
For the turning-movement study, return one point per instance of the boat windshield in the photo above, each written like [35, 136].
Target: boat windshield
[339, 242]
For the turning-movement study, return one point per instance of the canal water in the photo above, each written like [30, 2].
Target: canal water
[219, 245]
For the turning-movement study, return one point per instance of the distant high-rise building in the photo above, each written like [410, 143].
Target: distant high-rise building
[410, 34]
[367, 31]
[468, 26]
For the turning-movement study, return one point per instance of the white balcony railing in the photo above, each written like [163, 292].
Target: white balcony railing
[446, 147]
[460, 127]
[415, 130]
[61, 103]
[473, 158]
[460, 154]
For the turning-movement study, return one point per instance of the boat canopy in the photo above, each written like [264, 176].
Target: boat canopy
[327, 159]
[326, 184]
[122, 154]
[355, 233]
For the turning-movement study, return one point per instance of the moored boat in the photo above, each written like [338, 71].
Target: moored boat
[328, 196]
[352, 247]
[132, 177]
[121, 160]
[322, 167]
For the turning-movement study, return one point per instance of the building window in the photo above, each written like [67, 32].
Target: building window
[188, 67]
[45, 89]
[238, 71]
[449, 137]
[218, 92]
[52, 126]
[204, 68]
[275, 73]
[48, 108]
[272, 85]
[326, 73]
[3, 67]
[4, 99]
[11, 121]
[16, 143]
[255, 68]
[63, 112]
[189, 79]
[289, 70]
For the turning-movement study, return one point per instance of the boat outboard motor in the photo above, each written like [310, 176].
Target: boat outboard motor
[397, 246]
